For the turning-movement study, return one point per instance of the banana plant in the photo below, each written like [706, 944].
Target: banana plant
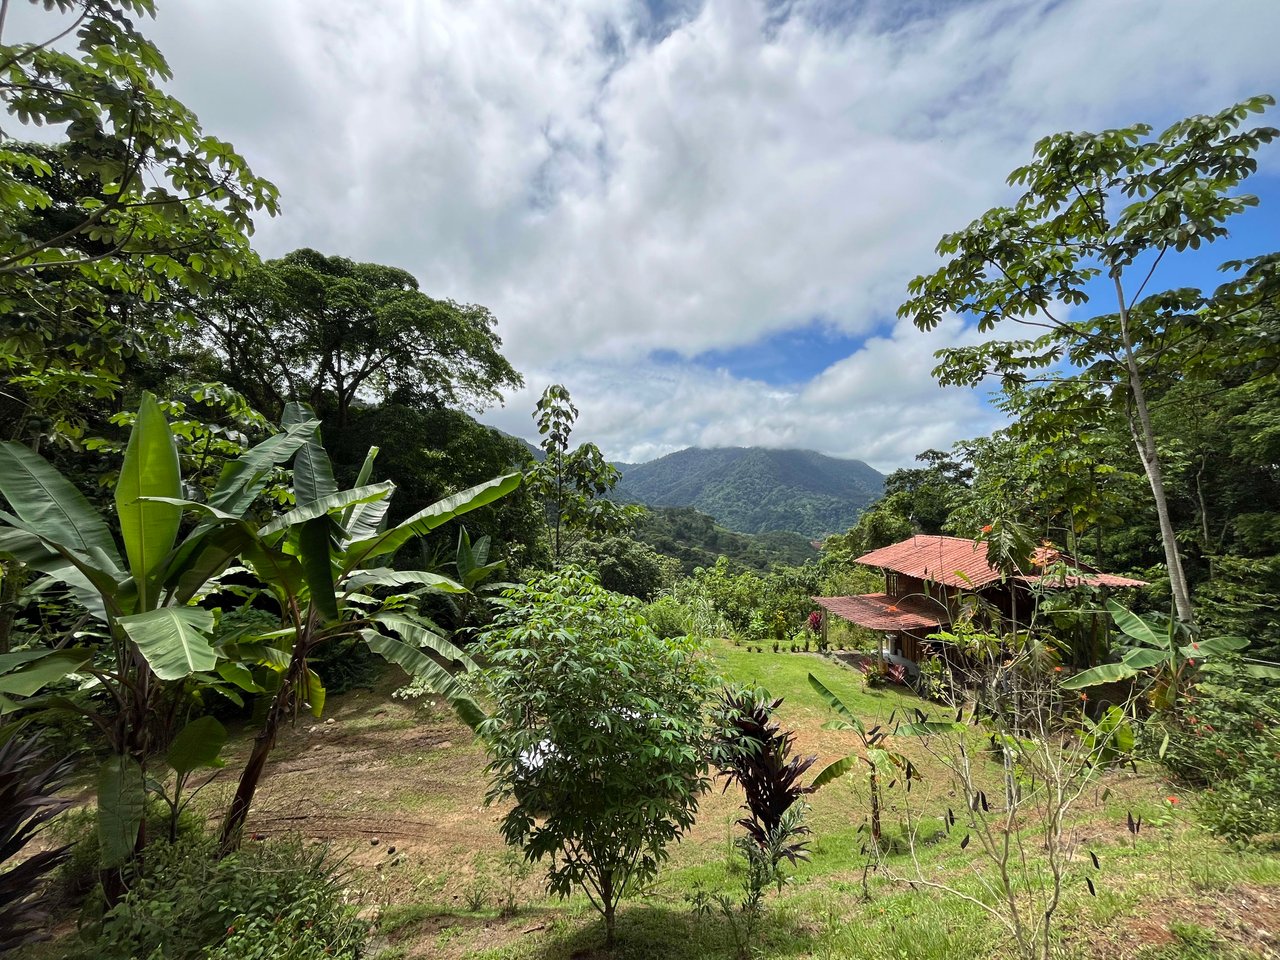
[325, 564]
[143, 595]
[881, 762]
[1165, 652]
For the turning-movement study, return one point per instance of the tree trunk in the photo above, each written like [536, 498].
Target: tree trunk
[263, 744]
[1145, 439]
[610, 908]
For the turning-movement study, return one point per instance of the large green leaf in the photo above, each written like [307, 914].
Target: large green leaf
[334, 503]
[835, 770]
[417, 633]
[197, 745]
[1106, 673]
[1143, 658]
[121, 797]
[149, 527]
[48, 504]
[437, 679]
[838, 705]
[315, 693]
[1213, 647]
[362, 520]
[174, 640]
[28, 675]
[317, 565]
[312, 474]
[1135, 626]
[243, 479]
[433, 516]
[92, 586]
[366, 472]
[386, 577]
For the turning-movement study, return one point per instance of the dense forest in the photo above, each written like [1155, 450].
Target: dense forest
[298, 658]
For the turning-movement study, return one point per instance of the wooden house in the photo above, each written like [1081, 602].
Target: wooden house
[927, 576]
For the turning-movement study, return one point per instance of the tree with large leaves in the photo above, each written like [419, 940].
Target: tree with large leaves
[1113, 207]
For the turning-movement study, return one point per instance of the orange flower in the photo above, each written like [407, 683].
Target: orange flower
[892, 608]
[987, 528]
[1172, 799]
[1057, 669]
[1084, 696]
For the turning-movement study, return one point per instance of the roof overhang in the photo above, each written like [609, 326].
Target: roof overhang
[879, 611]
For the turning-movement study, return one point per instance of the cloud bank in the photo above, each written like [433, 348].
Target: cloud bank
[630, 185]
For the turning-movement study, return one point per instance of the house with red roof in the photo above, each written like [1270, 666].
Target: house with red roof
[926, 578]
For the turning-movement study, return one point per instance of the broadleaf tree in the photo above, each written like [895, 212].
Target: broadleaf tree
[1100, 215]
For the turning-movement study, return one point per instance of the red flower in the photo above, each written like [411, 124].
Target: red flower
[1192, 661]
[987, 528]
[1173, 800]
[230, 930]
[1057, 669]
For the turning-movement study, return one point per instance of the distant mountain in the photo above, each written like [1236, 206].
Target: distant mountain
[755, 490]
[696, 540]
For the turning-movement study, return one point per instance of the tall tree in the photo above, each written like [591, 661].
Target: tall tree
[573, 482]
[1117, 204]
[130, 201]
[327, 330]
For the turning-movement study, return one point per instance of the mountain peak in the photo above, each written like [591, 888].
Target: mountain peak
[757, 489]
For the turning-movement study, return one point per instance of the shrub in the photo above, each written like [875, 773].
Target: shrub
[1226, 739]
[666, 617]
[597, 735]
[266, 902]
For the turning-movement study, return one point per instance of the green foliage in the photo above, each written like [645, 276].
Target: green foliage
[1226, 740]
[754, 490]
[130, 205]
[624, 565]
[1111, 204]
[696, 540]
[271, 901]
[328, 331]
[596, 735]
[573, 483]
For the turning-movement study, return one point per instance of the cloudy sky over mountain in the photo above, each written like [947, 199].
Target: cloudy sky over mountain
[699, 217]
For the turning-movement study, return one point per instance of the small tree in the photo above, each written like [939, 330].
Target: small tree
[596, 735]
[573, 484]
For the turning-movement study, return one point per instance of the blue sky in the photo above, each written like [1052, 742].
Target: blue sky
[699, 215]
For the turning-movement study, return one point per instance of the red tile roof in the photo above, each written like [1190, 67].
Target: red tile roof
[879, 611]
[957, 562]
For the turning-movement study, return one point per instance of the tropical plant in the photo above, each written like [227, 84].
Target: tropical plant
[752, 749]
[1166, 653]
[320, 562]
[29, 786]
[596, 735]
[881, 762]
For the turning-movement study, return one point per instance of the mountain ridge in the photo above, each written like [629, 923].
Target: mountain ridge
[757, 489]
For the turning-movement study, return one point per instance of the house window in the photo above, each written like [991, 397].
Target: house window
[891, 583]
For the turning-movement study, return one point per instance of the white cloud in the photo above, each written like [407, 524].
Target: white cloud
[610, 188]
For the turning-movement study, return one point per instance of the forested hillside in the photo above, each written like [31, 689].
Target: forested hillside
[753, 489]
[696, 540]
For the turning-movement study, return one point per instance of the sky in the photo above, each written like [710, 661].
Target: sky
[698, 216]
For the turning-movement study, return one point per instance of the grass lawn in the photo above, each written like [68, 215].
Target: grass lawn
[398, 790]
